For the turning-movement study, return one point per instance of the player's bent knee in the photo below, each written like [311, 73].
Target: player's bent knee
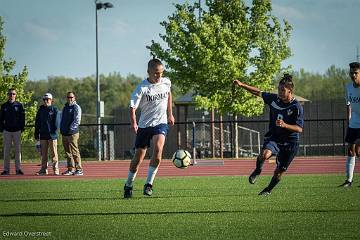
[263, 157]
[266, 155]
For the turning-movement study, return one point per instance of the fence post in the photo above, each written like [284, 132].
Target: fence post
[345, 150]
[110, 145]
[193, 142]
[212, 133]
[104, 148]
[236, 137]
[231, 139]
[221, 141]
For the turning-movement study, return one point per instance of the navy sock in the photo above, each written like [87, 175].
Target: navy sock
[274, 181]
[259, 165]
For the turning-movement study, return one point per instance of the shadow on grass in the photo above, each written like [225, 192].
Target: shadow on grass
[120, 197]
[33, 214]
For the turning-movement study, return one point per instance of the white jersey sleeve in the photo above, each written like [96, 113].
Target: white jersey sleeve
[137, 95]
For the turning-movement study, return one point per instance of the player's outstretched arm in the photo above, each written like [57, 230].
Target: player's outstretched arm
[251, 89]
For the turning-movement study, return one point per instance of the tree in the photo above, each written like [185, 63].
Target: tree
[17, 81]
[328, 86]
[230, 41]
[115, 92]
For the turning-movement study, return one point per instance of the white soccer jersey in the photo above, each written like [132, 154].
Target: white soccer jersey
[353, 99]
[152, 99]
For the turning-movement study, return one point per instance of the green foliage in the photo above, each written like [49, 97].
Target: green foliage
[17, 81]
[315, 86]
[230, 41]
[115, 92]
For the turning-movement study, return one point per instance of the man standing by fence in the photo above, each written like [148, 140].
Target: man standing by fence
[12, 123]
[46, 132]
[69, 128]
[353, 115]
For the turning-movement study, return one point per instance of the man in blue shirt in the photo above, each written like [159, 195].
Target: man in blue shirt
[286, 122]
[12, 123]
[69, 129]
[46, 131]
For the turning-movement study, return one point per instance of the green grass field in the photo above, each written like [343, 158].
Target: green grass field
[302, 207]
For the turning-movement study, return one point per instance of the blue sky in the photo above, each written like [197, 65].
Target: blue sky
[57, 37]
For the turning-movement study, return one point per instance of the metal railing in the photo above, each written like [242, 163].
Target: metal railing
[320, 137]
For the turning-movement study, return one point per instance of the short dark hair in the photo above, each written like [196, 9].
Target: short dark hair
[287, 81]
[11, 89]
[355, 65]
[154, 63]
[71, 92]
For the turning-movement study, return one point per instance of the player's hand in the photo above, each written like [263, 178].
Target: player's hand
[237, 83]
[280, 123]
[134, 127]
[171, 120]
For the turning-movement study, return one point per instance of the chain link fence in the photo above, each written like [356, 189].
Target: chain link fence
[208, 139]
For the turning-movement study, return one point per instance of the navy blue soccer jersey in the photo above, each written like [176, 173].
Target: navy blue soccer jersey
[291, 113]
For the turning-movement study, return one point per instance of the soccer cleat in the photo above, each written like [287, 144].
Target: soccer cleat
[346, 184]
[19, 172]
[79, 172]
[264, 192]
[148, 189]
[56, 172]
[68, 173]
[127, 192]
[5, 173]
[253, 176]
[42, 173]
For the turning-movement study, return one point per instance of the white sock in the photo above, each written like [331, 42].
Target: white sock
[151, 174]
[350, 165]
[130, 179]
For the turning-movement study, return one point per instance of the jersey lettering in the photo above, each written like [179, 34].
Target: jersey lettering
[155, 97]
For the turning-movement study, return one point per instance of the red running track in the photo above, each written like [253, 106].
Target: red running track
[228, 167]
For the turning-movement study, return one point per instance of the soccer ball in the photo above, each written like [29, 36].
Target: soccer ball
[181, 159]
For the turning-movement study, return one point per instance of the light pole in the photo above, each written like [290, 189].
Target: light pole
[98, 6]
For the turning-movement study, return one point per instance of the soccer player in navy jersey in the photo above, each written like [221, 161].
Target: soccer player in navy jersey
[353, 116]
[286, 122]
[153, 97]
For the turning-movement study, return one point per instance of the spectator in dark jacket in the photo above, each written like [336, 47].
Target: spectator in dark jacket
[69, 128]
[46, 131]
[12, 123]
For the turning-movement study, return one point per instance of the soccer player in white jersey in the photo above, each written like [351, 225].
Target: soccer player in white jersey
[153, 97]
[353, 130]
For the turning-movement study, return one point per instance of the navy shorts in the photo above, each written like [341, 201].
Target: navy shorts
[352, 134]
[284, 152]
[144, 135]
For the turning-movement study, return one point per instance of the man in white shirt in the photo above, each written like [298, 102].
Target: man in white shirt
[153, 97]
[353, 130]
